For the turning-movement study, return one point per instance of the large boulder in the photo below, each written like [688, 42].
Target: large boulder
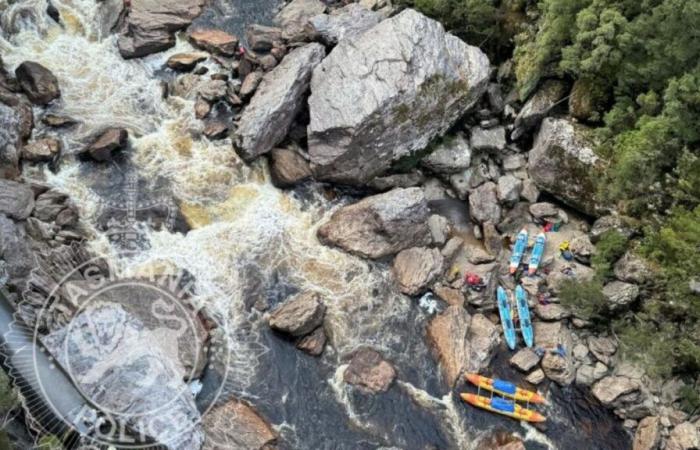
[16, 199]
[421, 81]
[416, 268]
[40, 85]
[299, 315]
[151, 24]
[684, 437]
[563, 163]
[380, 225]
[236, 426]
[461, 342]
[648, 434]
[344, 23]
[369, 371]
[611, 388]
[279, 97]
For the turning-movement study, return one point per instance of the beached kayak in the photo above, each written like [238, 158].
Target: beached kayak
[502, 406]
[506, 317]
[524, 315]
[537, 252]
[504, 388]
[518, 250]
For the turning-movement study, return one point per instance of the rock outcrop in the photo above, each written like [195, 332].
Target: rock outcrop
[421, 79]
[563, 164]
[380, 225]
[279, 97]
[416, 268]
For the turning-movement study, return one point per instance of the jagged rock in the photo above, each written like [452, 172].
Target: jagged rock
[452, 155]
[449, 295]
[185, 62]
[380, 225]
[580, 351]
[344, 23]
[212, 90]
[37, 82]
[537, 107]
[514, 162]
[582, 248]
[216, 129]
[422, 81]
[563, 164]
[608, 389]
[620, 294]
[551, 311]
[369, 371]
[288, 167]
[266, 120]
[632, 268]
[483, 203]
[48, 204]
[16, 199]
[461, 343]
[439, 227]
[236, 426]
[525, 359]
[299, 315]
[294, 17]
[452, 247]
[15, 250]
[262, 38]
[109, 141]
[603, 348]
[684, 437]
[398, 180]
[10, 142]
[536, 377]
[611, 222]
[493, 242]
[544, 210]
[313, 343]
[416, 268]
[648, 434]
[476, 254]
[214, 41]
[151, 24]
[530, 191]
[587, 374]
[509, 188]
[39, 230]
[491, 139]
[41, 150]
[558, 369]
[57, 121]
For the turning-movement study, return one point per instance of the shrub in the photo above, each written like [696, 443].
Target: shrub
[609, 249]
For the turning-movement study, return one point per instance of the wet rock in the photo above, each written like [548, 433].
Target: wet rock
[344, 23]
[109, 141]
[684, 437]
[213, 90]
[452, 155]
[551, 311]
[214, 41]
[267, 119]
[632, 268]
[262, 38]
[58, 121]
[299, 315]
[313, 343]
[41, 150]
[369, 371]
[563, 164]
[380, 225]
[418, 94]
[288, 167]
[216, 130]
[151, 24]
[294, 17]
[537, 107]
[610, 388]
[416, 268]
[620, 294]
[37, 82]
[48, 204]
[461, 343]
[509, 188]
[10, 141]
[535, 377]
[603, 348]
[491, 139]
[185, 62]
[483, 203]
[15, 250]
[525, 359]
[236, 426]
[16, 199]
[648, 435]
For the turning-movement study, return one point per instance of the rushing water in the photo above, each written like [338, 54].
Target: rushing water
[250, 242]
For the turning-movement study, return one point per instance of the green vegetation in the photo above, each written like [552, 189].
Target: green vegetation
[635, 68]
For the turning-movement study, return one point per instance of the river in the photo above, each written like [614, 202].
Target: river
[250, 240]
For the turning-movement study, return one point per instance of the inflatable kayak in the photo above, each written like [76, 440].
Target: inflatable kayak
[524, 315]
[504, 388]
[506, 318]
[537, 252]
[518, 250]
[503, 406]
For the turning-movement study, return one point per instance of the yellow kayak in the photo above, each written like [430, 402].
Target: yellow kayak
[504, 388]
[504, 407]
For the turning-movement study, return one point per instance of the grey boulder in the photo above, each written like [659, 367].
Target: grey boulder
[450, 156]
[483, 203]
[344, 23]
[488, 139]
[279, 97]
[16, 199]
[386, 94]
[380, 225]
[294, 18]
[620, 294]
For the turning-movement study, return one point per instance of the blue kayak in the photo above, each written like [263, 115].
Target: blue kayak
[524, 315]
[537, 252]
[518, 250]
[506, 318]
